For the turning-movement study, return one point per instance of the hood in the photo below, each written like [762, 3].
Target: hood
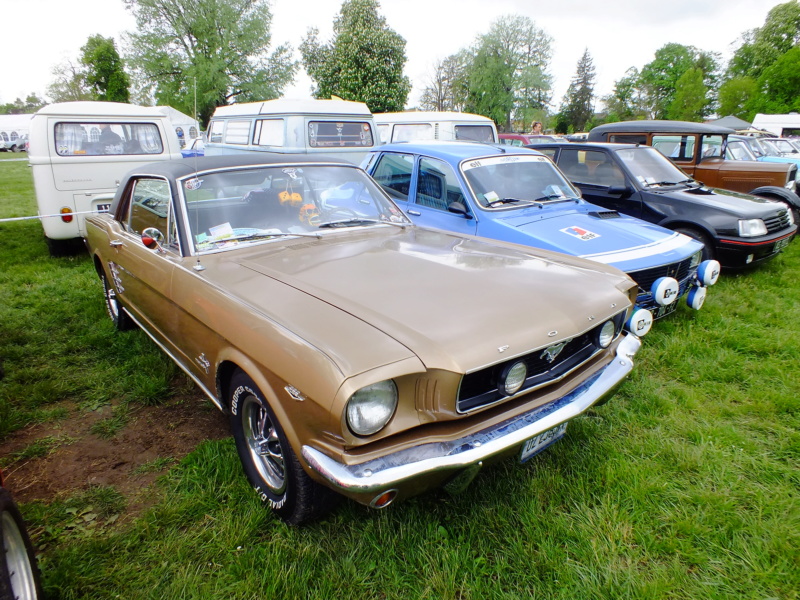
[429, 291]
[738, 205]
[598, 234]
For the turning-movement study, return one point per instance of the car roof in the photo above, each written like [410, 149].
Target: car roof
[583, 145]
[453, 150]
[659, 127]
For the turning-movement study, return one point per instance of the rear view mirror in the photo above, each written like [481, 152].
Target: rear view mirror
[459, 209]
[623, 191]
[152, 238]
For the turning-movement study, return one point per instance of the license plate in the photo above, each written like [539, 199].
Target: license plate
[539, 442]
[781, 244]
[102, 208]
[665, 310]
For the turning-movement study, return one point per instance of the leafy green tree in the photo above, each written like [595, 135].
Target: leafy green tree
[761, 47]
[779, 85]
[736, 96]
[208, 52]
[577, 107]
[447, 89]
[690, 99]
[69, 83]
[30, 105]
[363, 62]
[627, 101]
[103, 68]
[507, 77]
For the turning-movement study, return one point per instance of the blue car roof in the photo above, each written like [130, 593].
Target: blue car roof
[454, 152]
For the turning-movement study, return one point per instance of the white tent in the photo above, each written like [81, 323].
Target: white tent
[185, 126]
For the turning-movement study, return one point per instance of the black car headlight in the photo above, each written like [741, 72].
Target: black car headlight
[371, 407]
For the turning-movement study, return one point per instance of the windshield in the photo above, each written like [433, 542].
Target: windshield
[649, 167]
[784, 146]
[769, 148]
[738, 150]
[516, 180]
[228, 208]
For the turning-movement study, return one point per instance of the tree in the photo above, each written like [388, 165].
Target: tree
[208, 52]
[447, 89]
[507, 77]
[30, 105]
[69, 84]
[104, 72]
[577, 107]
[779, 85]
[736, 95]
[627, 101]
[363, 62]
[761, 47]
[690, 98]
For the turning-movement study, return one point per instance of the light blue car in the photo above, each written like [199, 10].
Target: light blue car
[518, 195]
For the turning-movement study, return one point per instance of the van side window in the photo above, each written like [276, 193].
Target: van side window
[437, 185]
[408, 132]
[215, 131]
[393, 174]
[351, 134]
[150, 206]
[676, 147]
[238, 132]
[268, 132]
[96, 138]
[475, 133]
[628, 138]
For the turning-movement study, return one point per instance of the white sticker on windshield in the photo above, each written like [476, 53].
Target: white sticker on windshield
[221, 231]
[491, 196]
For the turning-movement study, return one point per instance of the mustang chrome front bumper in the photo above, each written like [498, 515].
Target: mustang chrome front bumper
[438, 460]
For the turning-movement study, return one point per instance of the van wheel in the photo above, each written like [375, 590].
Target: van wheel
[59, 248]
[19, 575]
[708, 247]
[268, 460]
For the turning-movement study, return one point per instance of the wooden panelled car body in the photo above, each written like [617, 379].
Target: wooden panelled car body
[352, 350]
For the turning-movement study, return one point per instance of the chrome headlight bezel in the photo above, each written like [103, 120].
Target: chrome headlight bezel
[371, 408]
[606, 334]
[752, 227]
[697, 258]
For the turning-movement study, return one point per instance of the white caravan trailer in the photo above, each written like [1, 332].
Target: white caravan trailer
[780, 125]
[79, 152]
[326, 127]
[418, 126]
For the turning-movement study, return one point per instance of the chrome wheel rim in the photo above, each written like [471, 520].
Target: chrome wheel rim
[263, 444]
[23, 584]
[111, 300]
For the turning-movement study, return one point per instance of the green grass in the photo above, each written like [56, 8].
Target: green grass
[684, 486]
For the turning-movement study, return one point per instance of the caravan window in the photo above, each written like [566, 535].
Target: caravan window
[339, 134]
[238, 132]
[475, 133]
[215, 131]
[412, 131]
[92, 139]
[269, 132]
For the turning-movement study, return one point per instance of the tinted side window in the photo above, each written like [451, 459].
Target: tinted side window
[393, 173]
[590, 166]
[676, 147]
[475, 133]
[437, 185]
[628, 138]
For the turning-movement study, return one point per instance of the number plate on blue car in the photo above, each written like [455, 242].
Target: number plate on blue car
[539, 442]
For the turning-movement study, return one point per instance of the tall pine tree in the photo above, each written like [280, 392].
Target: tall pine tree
[577, 107]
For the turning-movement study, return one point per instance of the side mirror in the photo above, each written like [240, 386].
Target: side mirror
[623, 191]
[152, 238]
[459, 209]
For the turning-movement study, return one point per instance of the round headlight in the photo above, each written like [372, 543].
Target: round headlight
[708, 272]
[640, 322]
[371, 407]
[513, 378]
[665, 290]
[605, 335]
[696, 297]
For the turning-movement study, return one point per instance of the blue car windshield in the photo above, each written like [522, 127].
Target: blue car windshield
[510, 181]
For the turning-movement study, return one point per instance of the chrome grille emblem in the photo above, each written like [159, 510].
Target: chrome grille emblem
[551, 352]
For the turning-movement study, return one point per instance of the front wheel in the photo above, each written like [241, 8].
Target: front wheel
[268, 460]
[116, 313]
[19, 575]
[708, 248]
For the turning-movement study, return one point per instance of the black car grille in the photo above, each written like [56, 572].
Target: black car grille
[645, 278]
[778, 222]
[480, 388]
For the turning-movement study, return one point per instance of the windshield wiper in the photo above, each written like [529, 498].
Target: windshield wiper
[506, 201]
[262, 235]
[655, 183]
[554, 198]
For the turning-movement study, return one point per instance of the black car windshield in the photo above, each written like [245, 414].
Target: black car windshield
[228, 208]
[649, 167]
[514, 181]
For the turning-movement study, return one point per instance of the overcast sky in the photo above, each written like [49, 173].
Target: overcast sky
[39, 34]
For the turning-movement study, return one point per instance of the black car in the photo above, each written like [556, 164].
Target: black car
[737, 229]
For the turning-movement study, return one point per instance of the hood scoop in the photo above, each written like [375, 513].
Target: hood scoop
[605, 214]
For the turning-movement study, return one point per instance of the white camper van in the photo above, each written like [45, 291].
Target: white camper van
[79, 152]
[781, 125]
[418, 126]
[328, 127]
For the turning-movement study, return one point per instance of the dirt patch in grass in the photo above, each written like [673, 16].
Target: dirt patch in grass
[64, 457]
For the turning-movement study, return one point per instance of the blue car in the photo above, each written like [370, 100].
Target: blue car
[518, 195]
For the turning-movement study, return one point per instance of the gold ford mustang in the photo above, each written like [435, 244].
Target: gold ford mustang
[355, 352]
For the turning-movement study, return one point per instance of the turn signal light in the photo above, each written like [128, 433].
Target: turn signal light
[383, 500]
[66, 214]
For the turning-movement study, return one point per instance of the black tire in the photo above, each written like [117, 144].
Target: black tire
[116, 313]
[19, 573]
[268, 460]
[59, 248]
[708, 247]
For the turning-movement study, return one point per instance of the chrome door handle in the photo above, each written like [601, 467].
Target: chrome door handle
[115, 244]
[415, 213]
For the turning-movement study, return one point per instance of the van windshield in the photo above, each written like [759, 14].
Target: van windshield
[97, 138]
